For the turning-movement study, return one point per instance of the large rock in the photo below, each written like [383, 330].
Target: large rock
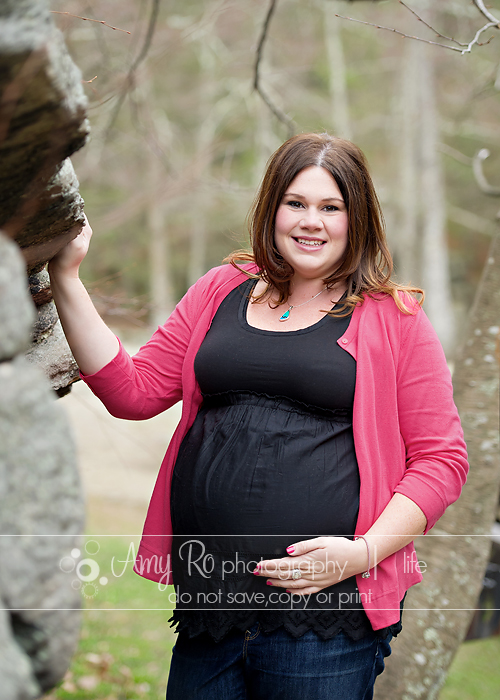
[43, 112]
[54, 355]
[49, 347]
[42, 122]
[17, 312]
[41, 508]
[16, 673]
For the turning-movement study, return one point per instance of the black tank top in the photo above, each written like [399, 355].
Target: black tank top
[305, 365]
[268, 461]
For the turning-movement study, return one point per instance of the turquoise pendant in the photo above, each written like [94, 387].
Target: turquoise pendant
[285, 315]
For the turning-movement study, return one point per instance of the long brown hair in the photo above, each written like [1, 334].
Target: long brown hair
[367, 264]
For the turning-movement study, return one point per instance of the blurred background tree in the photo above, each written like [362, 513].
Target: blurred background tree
[179, 143]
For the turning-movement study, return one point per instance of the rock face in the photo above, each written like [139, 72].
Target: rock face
[42, 122]
[41, 509]
[17, 314]
[49, 348]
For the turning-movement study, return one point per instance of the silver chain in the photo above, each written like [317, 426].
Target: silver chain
[286, 315]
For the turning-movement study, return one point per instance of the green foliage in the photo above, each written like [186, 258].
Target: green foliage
[475, 672]
[126, 639]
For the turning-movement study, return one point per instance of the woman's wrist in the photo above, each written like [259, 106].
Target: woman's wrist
[66, 289]
[59, 274]
[363, 558]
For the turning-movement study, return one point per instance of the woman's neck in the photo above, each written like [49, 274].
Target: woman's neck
[303, 289]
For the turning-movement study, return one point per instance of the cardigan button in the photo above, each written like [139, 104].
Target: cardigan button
[344, 341]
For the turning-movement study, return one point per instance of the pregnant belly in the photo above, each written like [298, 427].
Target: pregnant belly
[267, 471]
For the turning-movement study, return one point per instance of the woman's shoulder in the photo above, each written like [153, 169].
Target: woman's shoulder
[385, 304]
[381, 314]
[382, 318]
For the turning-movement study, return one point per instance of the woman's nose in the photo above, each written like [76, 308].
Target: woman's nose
[311, 220]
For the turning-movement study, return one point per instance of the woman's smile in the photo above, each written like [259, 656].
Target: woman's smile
[311, 224]
[309, 242]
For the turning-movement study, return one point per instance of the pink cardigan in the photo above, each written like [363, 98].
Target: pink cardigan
[407, 432]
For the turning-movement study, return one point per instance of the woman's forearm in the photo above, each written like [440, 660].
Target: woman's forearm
[92, 343]
[324, 561]
[398, 525]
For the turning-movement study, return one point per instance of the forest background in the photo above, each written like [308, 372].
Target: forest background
[179, 142]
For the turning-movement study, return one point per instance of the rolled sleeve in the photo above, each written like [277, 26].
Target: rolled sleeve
[436, 454]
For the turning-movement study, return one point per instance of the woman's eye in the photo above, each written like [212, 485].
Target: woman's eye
[294, 204]
[330, 207]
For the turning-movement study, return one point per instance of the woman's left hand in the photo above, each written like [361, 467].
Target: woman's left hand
[322, 562]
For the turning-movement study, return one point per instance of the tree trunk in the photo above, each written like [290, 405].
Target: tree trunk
[266, 141]
[435, 263]
[337, 73]
[197, 265]
[405, 238]
[159, 281]
[438, 611]
[198, 238]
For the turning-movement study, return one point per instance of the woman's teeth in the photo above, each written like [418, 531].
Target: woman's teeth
[303, 241]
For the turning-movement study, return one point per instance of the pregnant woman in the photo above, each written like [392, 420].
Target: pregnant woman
[318, 438]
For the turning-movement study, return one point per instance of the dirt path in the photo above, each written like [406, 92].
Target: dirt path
[118, 459]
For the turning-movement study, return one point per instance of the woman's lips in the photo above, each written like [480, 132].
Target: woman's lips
[309, 243]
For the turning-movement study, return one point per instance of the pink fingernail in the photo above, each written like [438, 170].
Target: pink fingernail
[287, 591]
[256, 572]
[290, 549]
[269, 583]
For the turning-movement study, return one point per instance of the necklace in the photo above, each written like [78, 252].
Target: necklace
[286, 315]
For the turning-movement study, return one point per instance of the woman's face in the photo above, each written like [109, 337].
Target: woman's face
[311, 224]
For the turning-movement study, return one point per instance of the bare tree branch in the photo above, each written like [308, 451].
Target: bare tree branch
[129, 80]
[283, 118]
[396, 31]
[456, 155]
[478, 34]
[149, 134]
[482, 9]
[148, 38]
[493, 22]
[482, 182]
[420, 19]
[89, 19]
[471, 221]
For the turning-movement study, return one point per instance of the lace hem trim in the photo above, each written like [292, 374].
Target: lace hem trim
[325, 624]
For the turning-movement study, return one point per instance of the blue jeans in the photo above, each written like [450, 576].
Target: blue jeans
[253, 666]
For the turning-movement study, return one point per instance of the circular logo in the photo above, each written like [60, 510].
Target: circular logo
[67, 565]
[92, 547]
[87, 570]
[93, 572]
[89, 590]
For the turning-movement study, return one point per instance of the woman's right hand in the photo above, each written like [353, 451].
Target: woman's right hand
[93, 344]
[68, 260]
